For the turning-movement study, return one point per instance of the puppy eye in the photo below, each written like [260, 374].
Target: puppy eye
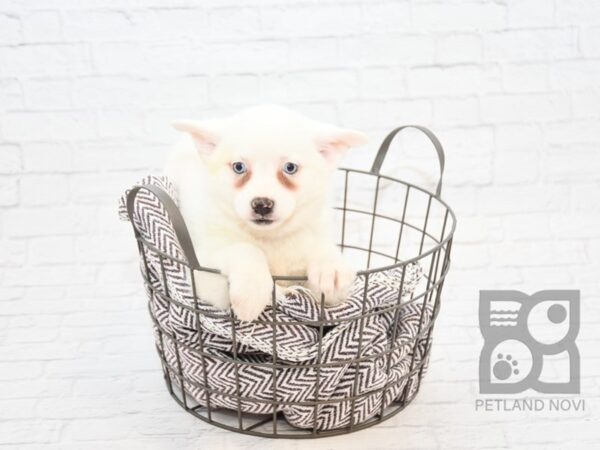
[290, 168]
[239, 167]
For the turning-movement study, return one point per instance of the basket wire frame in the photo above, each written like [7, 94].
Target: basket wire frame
[436, 259]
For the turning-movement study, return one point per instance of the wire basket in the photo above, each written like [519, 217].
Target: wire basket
[390, 227]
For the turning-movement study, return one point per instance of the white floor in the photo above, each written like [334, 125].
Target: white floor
[112, 395]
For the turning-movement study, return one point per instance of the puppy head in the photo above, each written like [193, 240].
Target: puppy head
[269, 167]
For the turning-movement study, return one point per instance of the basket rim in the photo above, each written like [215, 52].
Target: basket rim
[421, 255]
[183, 236]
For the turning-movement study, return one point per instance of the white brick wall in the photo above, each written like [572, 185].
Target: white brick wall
[512, 87]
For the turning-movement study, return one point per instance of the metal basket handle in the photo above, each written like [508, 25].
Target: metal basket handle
[179, 226]
[385, 145]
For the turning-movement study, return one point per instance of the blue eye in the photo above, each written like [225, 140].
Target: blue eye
[290, 168]
[239, 167]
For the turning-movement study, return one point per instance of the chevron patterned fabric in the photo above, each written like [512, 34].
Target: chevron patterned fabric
[369, 353]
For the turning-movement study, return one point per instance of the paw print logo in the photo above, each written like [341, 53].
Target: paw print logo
[505, 367]
[522, 335]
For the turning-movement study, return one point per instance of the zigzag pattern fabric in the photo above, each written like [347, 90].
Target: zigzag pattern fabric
[284, 361]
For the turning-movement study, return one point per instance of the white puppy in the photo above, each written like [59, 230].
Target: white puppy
[253, 193]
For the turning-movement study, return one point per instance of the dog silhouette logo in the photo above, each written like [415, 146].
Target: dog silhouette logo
[528, 340]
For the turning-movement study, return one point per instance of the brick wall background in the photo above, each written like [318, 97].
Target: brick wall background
[87, 89]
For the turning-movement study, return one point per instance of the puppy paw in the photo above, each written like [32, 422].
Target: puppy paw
[249, 293]
[331, 278]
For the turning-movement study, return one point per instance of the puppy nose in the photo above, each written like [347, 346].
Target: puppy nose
[262, 205]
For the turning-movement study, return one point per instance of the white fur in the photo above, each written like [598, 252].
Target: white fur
[219, 215]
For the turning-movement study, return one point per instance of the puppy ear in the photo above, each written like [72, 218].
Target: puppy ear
[332, 142]
[206, 133]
